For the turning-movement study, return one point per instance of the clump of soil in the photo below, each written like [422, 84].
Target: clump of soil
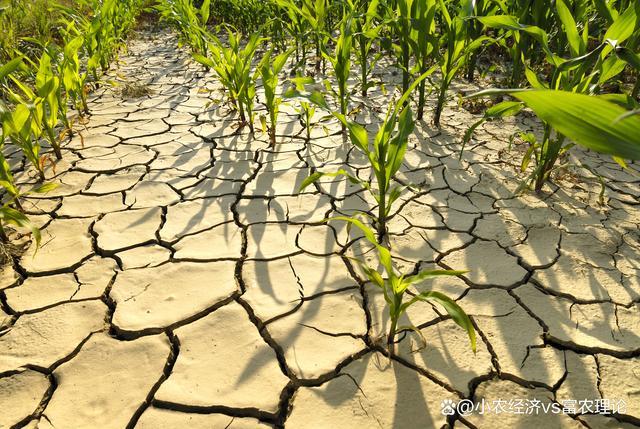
[10, 250]
[134, 90]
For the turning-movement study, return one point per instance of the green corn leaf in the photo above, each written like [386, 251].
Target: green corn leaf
[429, 274]
[43, 189]
[10, 67]
[14, 217]
[205, 9]
[368, 233]
[504, 109]
[623, 27]
[310, 180]
[207, 62]
[632, 58]
[532, 78]
[587, 120]
[570, 28]
[455, 311]
[358, 136]
[604, 10]
[398, 143]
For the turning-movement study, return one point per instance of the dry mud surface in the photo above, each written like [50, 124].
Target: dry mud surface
[184, 282]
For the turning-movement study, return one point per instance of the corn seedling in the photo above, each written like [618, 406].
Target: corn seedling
[385, 153]
[269, 69]
[22, 124]
[104, 34]
[11, 216]
[14, 215]
[367, 32]
[297, 27]
[423, 43]
[456, 49]
[315, 13]
[395, 288]
[48, 90]
[232, 65]
[73, 79]
[590, 121]
[402, 27]
[188, 20]
[306, 109]
[585, 73]
[341, 63]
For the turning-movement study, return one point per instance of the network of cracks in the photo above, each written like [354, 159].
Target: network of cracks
[184, 281]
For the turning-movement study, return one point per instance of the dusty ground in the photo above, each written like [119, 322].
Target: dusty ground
[183, 282]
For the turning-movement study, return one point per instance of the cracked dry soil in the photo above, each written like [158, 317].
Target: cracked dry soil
[184, 282]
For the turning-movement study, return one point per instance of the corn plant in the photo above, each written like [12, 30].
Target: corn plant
[48, 89]
[188, 20]
[475, 30]
[590, 121]
[395, 288]
[456, 49]
[297, 27]
[14, 215]
[367, 32]
[269, 69]
[105, 32]
[402, 27]
[315, 13]
[11, 216]
[306, 109]
[341, 62]
[22, 124]
[423, 43]
[385, 153]
[13, 193]
[585, 73]
[73, 79]
[232, 65]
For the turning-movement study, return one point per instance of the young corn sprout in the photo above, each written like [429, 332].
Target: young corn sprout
[297, 27]
[188, 20]
[395, 288]
[402, 28]
[232, 65]
[270, 68]
[385, 153]
[367, 32]
[585, 73]
[22, 125]
[456, 49]
[11, 216]
[306, 109]
[316, 14]
[341, 63]
[48, 90]
[14, 215]
[73, 79]
[105, 32]
[423, 43]
[590, 121]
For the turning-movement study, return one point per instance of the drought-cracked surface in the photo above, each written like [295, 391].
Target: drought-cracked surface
[184, 282]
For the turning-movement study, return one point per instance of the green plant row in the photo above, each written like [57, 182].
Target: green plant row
[38, 86]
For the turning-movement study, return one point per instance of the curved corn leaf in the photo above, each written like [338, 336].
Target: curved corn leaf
[455, 311]
[589, 121]
[14, 217]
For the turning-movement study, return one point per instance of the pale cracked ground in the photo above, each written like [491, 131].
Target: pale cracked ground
[183, 282]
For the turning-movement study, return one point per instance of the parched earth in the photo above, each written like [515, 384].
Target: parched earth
[183, 280]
